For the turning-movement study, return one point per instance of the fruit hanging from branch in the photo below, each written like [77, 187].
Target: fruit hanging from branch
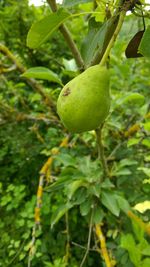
[84, 102]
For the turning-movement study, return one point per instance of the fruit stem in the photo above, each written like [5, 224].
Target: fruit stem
[101, 154]
[111, 43]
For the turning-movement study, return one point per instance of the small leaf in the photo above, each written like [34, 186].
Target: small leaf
[134, 98]
[42, 73]
[133, 141]
[41, 30]
[146, 251]
[123, 171]
[98, 215]
[73, 187]
[147, 126]
[60, 213]
[107, 184]
[122, 203]
[85, 207]
[109, 201]
[143, 206]
[146, 142]
[144, 47]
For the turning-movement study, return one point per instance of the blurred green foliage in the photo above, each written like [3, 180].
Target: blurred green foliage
[28, 134]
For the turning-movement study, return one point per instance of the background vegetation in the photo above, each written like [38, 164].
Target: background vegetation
[82, 221]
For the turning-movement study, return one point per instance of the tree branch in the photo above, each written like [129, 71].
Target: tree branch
[68, 38]
[102, 241]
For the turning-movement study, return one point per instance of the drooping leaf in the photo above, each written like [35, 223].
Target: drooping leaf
[123, 203]
[41, 30]
[73, 187]
[60, 212]
[144, 47]
[109, 201]
[42, 73]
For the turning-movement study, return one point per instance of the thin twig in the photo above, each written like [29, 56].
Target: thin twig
[68, 38]
[80, 246]
[89, 241]
[66, 258]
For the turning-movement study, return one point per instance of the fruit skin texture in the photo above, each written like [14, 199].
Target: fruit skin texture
[84, 102]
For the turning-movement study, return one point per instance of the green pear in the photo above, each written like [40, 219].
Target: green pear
[84, 102]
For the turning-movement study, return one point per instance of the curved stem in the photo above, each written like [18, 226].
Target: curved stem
[111, 43]
[89, 241]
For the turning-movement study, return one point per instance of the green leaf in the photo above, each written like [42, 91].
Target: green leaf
[73, 187]
[146, 142]
[41, 30]
[145, 170]
[109, 201]
[60, 212]
[98, 215]
[42, 73]
[123, 171]
[107, 184]
[133, 141]
[147, 126]
[96, 39]
[133, 98]
[122, 203]
[144, 47]
[145, 262]
[128, 242]
[85, 207]
[69, 3]
[146, 251]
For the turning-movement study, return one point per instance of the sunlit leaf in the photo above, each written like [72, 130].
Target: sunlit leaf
[143, 206]
[42, 73]
[41, 30]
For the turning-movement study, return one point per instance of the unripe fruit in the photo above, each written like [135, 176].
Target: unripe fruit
[84, 102]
